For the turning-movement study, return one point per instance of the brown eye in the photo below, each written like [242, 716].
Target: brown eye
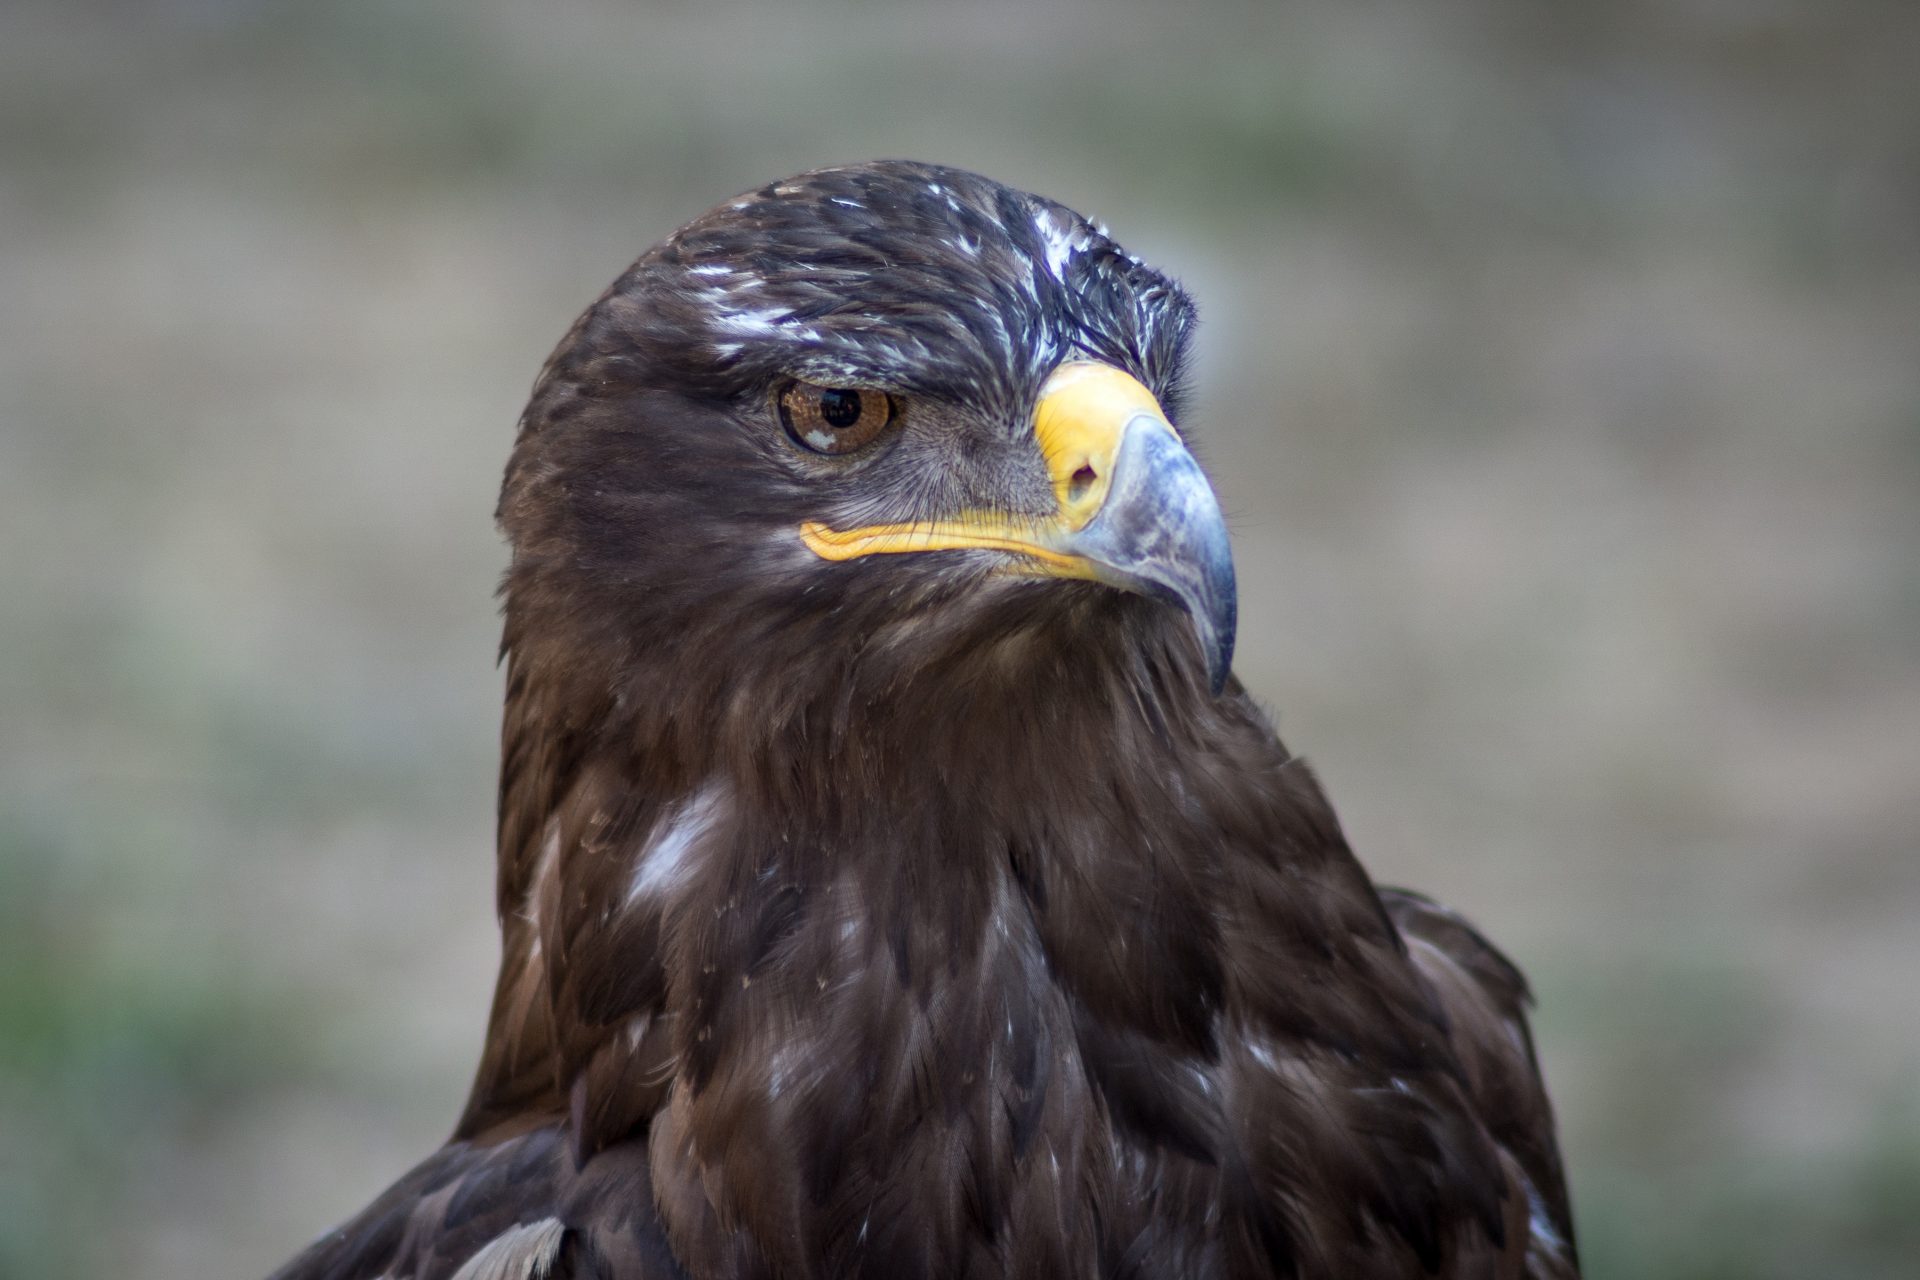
[834, 419]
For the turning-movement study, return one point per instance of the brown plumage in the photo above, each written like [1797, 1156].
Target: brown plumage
[881, 899]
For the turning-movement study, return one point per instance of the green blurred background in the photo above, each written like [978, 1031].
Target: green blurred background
[1560, 373]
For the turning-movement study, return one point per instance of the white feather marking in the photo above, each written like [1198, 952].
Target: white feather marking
[712, 269]
[1539, 1222]
[1060, 242]
[755, 323]
[851, 204]
[665, 861]
[542, 870]
[780, 1070]
[525, 1252]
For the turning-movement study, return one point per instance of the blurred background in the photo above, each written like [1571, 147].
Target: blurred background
[1560, 372]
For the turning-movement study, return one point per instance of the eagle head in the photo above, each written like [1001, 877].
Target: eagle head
[883, 420]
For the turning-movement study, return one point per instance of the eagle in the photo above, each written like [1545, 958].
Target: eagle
[893, 878]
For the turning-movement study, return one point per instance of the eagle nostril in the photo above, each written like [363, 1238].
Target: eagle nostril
[1081, 481]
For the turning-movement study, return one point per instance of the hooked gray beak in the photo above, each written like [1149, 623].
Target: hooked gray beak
[1160, 532]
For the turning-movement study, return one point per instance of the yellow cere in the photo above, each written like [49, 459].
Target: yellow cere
[1084, 410]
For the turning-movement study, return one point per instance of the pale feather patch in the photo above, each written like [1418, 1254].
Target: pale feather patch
[665, 861]
[1540, 1222]
[1262, 1053]
[751, 323]
[783, 1065]
[543, 869]
[1061, 242]
[526, 1252]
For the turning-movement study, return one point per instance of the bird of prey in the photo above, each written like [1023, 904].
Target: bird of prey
[894, 880]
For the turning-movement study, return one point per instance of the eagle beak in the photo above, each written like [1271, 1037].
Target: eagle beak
[1135, 508]
[1132, 509]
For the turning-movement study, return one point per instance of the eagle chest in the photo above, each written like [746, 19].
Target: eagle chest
[884, 1044]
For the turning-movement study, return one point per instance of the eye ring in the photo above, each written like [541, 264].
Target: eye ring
[834, 420]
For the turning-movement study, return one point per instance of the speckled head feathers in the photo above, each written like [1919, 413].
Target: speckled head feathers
[904, 276]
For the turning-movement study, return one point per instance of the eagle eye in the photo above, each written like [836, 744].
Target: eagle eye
[833, 420]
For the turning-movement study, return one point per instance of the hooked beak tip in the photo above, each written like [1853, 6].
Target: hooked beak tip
[1216, 644]
[1161, 532]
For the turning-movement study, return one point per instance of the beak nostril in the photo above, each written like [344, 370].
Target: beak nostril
[1080, 482]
